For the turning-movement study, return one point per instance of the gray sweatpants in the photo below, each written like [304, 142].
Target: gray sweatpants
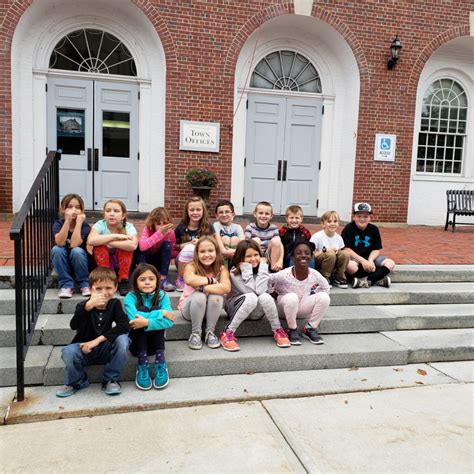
[251, 306]
[199, 306]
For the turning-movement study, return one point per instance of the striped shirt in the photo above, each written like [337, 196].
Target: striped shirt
[253, 231]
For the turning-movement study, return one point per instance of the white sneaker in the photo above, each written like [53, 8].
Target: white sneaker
[212, 340]
[86, 292]
[360, 283]
[65, 293]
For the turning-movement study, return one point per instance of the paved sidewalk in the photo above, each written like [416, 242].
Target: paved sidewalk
[422, 429]
[405, 244]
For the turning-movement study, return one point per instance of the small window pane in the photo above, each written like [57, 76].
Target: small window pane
[429, 166]
[434, 124]
[116, 134]
[439, 167]
[422, 139]
[457, 154]
[430, 152]
[448, 167]
[443, 125]
[457, 167]
[432, 139]
[420, 165]
[441, 140]
[421, 151]
[424, 124]
[462, 114]
[444, 112]
[450, 140]
[449, 154]
[459, 141]
[70, 130]
[439, 153]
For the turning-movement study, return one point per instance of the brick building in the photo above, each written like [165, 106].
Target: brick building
[299, 89]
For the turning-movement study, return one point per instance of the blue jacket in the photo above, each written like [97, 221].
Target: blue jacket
[156, 320]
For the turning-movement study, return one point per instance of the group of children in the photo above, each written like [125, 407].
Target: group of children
[258, 272]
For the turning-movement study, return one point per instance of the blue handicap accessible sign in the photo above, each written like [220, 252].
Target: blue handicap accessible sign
[384, 147]
[386, 144]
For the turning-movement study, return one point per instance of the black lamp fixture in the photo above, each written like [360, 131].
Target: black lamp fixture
[395, 49]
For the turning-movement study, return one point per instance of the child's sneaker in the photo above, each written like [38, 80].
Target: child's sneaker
[312, 335]
[294, 337]
[142, 377]
[180, 284]
[123, 287]
[360, 283]
[162, 377]
[385, 281]
[65, 293]
[281, 338]
[166, 285]
[340, 283]
[68, 390]
[112, 388]
[86, 292]
[229, 341]
[212, 340]
[329, 282]
[195, 341]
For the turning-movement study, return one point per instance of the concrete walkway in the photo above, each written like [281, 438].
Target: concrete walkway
[422, 429]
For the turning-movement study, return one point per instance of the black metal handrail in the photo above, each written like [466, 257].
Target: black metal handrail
[32, 234]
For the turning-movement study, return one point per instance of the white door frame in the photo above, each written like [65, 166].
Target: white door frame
[38, 31]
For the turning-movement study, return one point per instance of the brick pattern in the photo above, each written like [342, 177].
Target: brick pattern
[202, 41]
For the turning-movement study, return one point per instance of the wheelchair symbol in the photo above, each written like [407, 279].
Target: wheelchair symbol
[386, 143]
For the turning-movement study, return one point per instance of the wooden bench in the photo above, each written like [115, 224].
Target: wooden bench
[460, 203]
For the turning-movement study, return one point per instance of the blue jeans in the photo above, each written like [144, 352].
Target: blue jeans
[113, 355]
[161, 259]
[68, 262]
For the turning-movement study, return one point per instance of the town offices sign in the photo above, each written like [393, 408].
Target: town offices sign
[199, 136]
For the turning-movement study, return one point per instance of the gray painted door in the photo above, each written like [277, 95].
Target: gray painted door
[282, 152]
[95, 124]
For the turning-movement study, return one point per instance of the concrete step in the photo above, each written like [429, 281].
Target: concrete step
[402, 274]
[53, 329]
[259, 354]
[400, 293]
[435, 345]
[35, 363]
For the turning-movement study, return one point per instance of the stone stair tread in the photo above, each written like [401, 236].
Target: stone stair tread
[35, 363]
[259, 354]
[44, 405]
[400, 293]
[435, 345]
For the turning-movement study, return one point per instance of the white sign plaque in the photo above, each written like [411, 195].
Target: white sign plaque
[385, 146]
[199, 136]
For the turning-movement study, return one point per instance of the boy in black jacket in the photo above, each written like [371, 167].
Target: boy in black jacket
[96, 341]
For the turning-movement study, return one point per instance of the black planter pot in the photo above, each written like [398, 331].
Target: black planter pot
[203, 192]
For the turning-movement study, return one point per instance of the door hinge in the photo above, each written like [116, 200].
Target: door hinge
[138, 157]
[319, 165]
[322, 110]
[245, 162]
[317, 203]
[247, 104]
[138, 197]
[138, 95]
[46, 87]
[243, 201]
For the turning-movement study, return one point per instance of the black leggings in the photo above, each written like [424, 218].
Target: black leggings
[377, 275]
[146, 341]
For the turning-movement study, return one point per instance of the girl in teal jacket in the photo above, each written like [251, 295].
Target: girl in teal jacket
[149, 312]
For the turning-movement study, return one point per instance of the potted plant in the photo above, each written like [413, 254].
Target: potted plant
[201, 181]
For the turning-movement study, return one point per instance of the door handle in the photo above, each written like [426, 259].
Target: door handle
[279, 171]
[96, 159]
[285, 166]
[89, 159]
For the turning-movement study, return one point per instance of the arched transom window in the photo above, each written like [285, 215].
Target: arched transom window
[93, 51]
[286, 71]
[442, 129]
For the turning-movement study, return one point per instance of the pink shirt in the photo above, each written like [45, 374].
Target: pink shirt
[152, 241]
[188, 291]
[284, 282]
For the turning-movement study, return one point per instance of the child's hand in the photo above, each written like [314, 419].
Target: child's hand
[169, 315]
[139, 322]
[97, 300]
[368, 266]
[86, 347]
[164, 228]
[277, 266]
[69, 215]
[122, 237]
[80, 218]
[243, 265]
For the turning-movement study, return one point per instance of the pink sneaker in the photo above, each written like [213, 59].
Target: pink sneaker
[86, 292]
[180, 284]
[229, 342]
[281, 338]
[65, 293]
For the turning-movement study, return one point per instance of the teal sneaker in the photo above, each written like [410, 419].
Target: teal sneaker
[162, 377]
[142, 377]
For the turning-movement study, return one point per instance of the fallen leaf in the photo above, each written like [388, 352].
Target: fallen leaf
[61, 407]
[346, 402]
[250, 373]
[398, 370]
[419, 383]
[371, 407]
[353, 368]
[245, 390]
[421, 372]
[363, 380]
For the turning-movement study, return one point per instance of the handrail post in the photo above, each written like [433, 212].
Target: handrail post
[20, 364]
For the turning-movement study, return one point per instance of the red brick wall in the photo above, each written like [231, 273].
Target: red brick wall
[202, 40]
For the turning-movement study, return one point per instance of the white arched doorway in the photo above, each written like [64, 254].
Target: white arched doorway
[330, 162]
[39, 31]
